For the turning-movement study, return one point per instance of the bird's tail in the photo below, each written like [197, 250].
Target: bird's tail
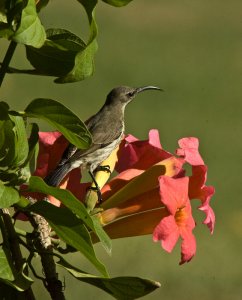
[56, 176]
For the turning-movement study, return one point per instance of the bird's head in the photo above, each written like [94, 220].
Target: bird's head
[124, 94]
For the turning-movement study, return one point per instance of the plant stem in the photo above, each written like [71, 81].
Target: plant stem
[44, 247]
[11, 48]
[11, 241]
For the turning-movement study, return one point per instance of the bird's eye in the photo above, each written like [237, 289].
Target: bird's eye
[130, 94]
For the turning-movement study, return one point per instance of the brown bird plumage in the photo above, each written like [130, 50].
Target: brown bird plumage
[106, 128]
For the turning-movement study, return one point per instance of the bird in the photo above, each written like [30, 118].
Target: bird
[107, 129]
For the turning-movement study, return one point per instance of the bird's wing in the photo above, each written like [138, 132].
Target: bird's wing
[68, 153]
[101, 138]
[101, 135]
[72, 153]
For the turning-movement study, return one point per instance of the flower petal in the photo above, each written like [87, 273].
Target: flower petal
[74, 184]
[174, 192]
[130, 138]
[141, 203]
[198, 190]
[188, 246]
[138, 154]
[167, 232]
[154, 138]
[197, 181]
[135, 225]
[119, 182]
[189, 151]
[207, 193]
[143, 183]
[51, 148]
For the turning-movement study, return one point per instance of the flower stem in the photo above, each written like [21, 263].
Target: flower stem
[7, 59]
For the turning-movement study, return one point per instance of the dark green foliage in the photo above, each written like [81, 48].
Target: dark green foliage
[119, 287]
[62, 119]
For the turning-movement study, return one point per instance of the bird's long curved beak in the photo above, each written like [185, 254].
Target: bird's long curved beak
[148, 87]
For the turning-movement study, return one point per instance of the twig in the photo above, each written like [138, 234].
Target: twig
[9, 54]
[11, 70]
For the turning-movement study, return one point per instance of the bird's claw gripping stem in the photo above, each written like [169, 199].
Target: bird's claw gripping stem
[97, 190]
[105, 168]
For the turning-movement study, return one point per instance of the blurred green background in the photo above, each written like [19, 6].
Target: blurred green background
[192, 49]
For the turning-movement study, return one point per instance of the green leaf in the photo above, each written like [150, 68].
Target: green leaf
[5, 31]
[70, 229]
[127, 288]
[4, 107]
[36, 184]
[117, 3]
[22, 282]
[21, 142]
[84, 60]
[61, 118]
[8, 275]
[5, 24]
[30, 31]
[57, 56]
[14, 149]
[5, 269]
[3, 117]
[64, 54]
[7, 151]
[33, 147]
[84, 65]
[23, 203]
[65, 40]
[102, 235]
[8, 196]
[15, 177]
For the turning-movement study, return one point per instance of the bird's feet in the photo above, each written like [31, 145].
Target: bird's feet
[105, 168]
[97, 190]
